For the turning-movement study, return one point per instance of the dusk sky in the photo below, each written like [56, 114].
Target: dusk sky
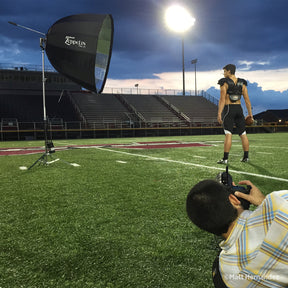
[250, 33]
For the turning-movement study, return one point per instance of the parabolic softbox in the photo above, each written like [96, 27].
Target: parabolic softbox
[80, 46]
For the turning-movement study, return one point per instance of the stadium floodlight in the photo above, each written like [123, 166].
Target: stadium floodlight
[179, 20]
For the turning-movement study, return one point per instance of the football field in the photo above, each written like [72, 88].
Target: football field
[117, 218]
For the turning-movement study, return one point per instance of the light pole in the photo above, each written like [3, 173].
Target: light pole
[194, 61]
[183, 66]
[179, 20]
[137, 86]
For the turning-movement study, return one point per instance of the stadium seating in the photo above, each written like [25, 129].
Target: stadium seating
[100, 108]
[152, 109]
[197, 108]
[27, 106]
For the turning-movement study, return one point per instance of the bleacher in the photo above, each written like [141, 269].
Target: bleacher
[27, 105]
[152, 110]
[197, 108]
[103, 108]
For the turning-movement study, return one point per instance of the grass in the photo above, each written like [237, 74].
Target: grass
[114, 224]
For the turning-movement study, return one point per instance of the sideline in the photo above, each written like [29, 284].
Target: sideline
[194, 164]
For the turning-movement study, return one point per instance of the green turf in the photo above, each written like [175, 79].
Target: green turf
[114, 224]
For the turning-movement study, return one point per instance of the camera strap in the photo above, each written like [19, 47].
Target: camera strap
[216, 275]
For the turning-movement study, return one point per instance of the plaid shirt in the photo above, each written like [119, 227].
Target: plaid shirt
[256, 252]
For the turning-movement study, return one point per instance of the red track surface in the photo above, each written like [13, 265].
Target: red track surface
[139, 145]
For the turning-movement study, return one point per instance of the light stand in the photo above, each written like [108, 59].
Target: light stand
[48, 144]
[49, 147]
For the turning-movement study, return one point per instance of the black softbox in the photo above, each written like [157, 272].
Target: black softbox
[80, 46]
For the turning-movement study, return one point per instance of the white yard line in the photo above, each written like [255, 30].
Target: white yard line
[194, 164]
[262, 147]
[200, 157]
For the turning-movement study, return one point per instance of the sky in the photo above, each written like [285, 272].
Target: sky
[252, 34]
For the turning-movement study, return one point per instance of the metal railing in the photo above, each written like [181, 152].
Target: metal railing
[115, 129]
[150, 91]
[101, 129]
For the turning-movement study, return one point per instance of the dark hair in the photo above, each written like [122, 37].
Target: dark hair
[209, 208]
[231, 68]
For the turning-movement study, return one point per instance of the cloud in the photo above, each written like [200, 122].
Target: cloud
[249, 64]
[140, 32]
[9, 50]
[268, 79]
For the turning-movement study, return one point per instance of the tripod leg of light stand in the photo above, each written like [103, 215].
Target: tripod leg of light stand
[42, 159]
[38, 160]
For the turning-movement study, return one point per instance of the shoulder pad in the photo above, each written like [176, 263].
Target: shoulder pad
[222, 81]
[242, 81]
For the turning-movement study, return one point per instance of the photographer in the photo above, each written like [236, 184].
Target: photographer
[255, 246]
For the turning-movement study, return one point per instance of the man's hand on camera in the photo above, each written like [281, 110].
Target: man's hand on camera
[255, 197]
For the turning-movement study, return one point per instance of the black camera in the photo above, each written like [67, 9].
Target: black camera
[226, 179]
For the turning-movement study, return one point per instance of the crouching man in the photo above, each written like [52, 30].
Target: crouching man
[255, 246]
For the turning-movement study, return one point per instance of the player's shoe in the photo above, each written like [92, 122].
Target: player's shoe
[222, 161]
[245, 160]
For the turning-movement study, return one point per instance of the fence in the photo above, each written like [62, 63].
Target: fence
[78, 130]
